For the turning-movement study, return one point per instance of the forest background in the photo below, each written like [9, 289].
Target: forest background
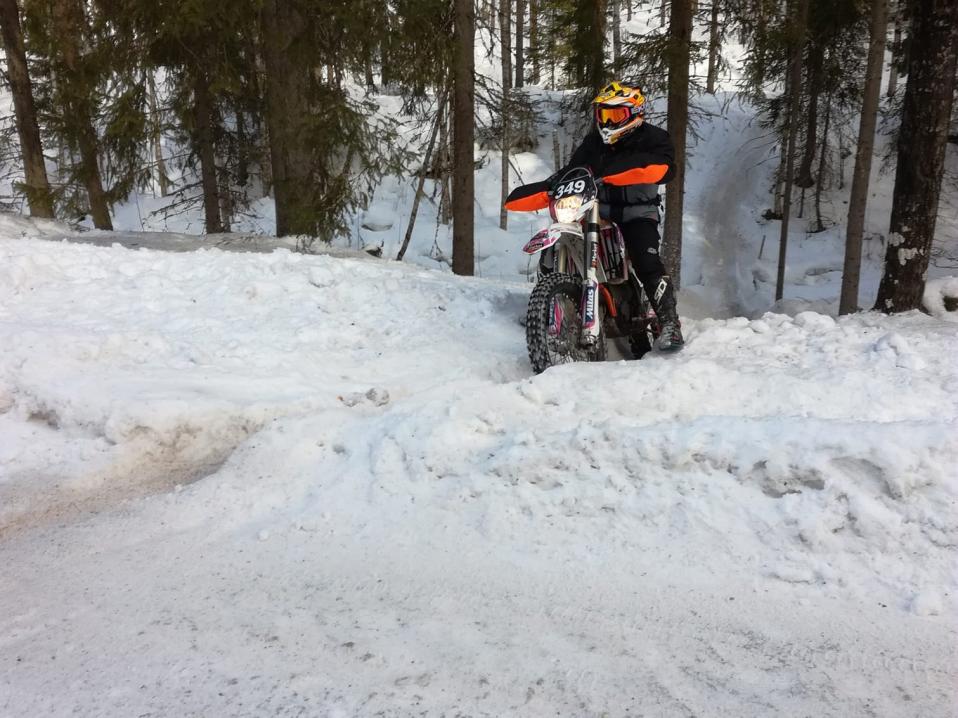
[224, 104]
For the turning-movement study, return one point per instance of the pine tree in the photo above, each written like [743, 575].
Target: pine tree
[204, 120]
[896, 47]
[327, 148]
[580, 25]
[714, 46]
[926, 114]
[798, 39]
[505, 39]
[520, 43]
[534, 47]
[37, 187]
[863, 159]
[616, 33]
[76, 78]
[463, 182]
[680, 36]
[286, 47]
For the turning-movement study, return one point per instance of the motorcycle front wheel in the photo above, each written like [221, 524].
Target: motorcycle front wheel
[553, 324]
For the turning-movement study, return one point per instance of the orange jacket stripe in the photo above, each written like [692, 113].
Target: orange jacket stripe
[539, 200]
[640, 175]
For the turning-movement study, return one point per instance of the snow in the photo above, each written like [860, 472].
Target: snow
[240, 483]
[937, 291]
[236, 479]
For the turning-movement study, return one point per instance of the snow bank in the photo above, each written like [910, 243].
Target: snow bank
[939, 293]
[171, 360]
[393, 509]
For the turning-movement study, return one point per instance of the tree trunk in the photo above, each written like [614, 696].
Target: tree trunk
[367, 50]
[286, 114]
[552, 47]
[556, 150]
[520, 41]
[895, 51]
[663, 13]
[534, 51]
[156, 130]
[463, 181]
[384, 60]
[443, 165]
[712, 74]
[799, 25]
[78, 108]
[368, 66]
[243, 150]
[36, 186]
[858, 201]
[778, 194]
[226, 199]
[597, 46]
[761, 29]
[203, 139]
[426, 161]
[819, 225]
[926, 114]
[616, 33]
[505, 31]
[680, 36]
[814, 87]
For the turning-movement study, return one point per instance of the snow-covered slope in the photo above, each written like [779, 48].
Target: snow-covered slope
[389, 514]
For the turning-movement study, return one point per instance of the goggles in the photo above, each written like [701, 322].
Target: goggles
[612, 115]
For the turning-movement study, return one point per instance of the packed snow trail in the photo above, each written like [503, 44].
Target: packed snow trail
[728, 177]
[394, 516]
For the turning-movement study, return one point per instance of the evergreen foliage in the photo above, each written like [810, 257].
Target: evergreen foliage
[223, 104]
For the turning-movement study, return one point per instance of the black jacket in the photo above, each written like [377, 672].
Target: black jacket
[645, 155]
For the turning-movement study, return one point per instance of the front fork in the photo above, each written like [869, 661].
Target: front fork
[591, 324]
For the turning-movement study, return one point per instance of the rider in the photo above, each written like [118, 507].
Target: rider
[623, 143]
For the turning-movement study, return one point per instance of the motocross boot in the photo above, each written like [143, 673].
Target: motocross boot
[663, 301]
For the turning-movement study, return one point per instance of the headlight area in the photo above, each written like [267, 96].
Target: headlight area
[567, 208]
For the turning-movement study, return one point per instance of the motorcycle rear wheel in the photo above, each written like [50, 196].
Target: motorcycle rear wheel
[553, 324]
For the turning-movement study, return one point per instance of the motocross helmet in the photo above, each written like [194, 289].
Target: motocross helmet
[619, 109]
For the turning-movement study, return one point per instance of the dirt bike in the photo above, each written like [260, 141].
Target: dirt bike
[582, 261]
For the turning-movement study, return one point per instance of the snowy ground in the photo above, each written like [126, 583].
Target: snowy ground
[236, 480]
[242, 484]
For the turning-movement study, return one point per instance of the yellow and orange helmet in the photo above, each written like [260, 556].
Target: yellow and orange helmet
[619, 109]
